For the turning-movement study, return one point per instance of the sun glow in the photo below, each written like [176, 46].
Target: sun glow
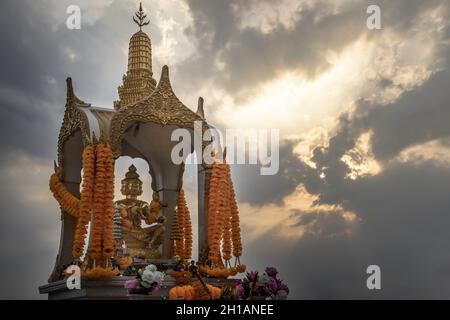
[296, 104]
[360, 159]
[283, 220]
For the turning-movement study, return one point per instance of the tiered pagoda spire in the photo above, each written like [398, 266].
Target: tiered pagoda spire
[138, 82]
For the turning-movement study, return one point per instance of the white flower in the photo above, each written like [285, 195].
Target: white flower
[263, 279]
[159, 276]
[151, 275]
[151, 267]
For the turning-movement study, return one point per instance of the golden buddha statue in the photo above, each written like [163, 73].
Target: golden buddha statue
[139, 241]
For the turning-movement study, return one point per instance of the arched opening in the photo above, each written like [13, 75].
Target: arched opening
[153, 142]
[70, 161]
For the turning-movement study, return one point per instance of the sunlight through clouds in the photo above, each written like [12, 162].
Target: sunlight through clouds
[360, 153]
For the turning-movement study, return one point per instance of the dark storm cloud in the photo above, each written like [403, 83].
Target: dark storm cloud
[324, 223]
[29, 226]
[417, 117]
[250, 57]
[27, 62]
[403, 228]
[402, 212]
[39, 52]
[257, 189]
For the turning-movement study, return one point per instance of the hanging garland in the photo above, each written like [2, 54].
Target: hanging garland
[179, 243]
[224, 238]
[97, 198]
[68, 202]
[175, 233]
[234, 220]
[95, 248]
[108, 239]
[85, 201]
[187, 231]
[215, 210]
[183, 245]
[102, 246]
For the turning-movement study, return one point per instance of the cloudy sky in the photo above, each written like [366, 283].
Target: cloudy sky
[363, 116]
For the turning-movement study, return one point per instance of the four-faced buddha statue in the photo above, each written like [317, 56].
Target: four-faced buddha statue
[139, 226]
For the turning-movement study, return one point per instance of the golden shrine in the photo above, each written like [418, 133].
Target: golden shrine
[111, 239]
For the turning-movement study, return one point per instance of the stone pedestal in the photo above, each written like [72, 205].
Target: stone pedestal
[112, 289]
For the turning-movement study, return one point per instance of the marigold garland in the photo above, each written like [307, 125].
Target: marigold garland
[99, 272]
[223, 223]
[226, 243]
[183, 246]
[102, 241]
[234, 220]
[68, 202]
[97, 196]
[216, 204]
[179, 242]
[95, 247]
[108, 239]
[85, 201]
[185, 292]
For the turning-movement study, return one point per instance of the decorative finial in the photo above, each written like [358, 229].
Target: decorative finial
[140, 15]
[70, 93]
[200, 110]
[72, 99]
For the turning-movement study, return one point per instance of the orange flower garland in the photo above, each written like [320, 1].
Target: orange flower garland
[179, 243]
[182, 293]
[108, 240]
[95, 249]
[184, 245]
[226, 243]
[97, 196]
[66, 200]
[223, 223]
[234, 217]
[216, 205]
[85, 201]
[102, 242]
[99, 272]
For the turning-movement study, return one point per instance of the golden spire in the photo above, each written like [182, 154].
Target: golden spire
[140, 15]
[138, 82]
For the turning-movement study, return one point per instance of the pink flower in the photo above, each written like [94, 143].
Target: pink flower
[252, 276]
[240, 292]
[131, 284]
[271, 272]
[272, 286]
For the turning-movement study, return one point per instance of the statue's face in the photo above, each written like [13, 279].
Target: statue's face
[133, 188]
